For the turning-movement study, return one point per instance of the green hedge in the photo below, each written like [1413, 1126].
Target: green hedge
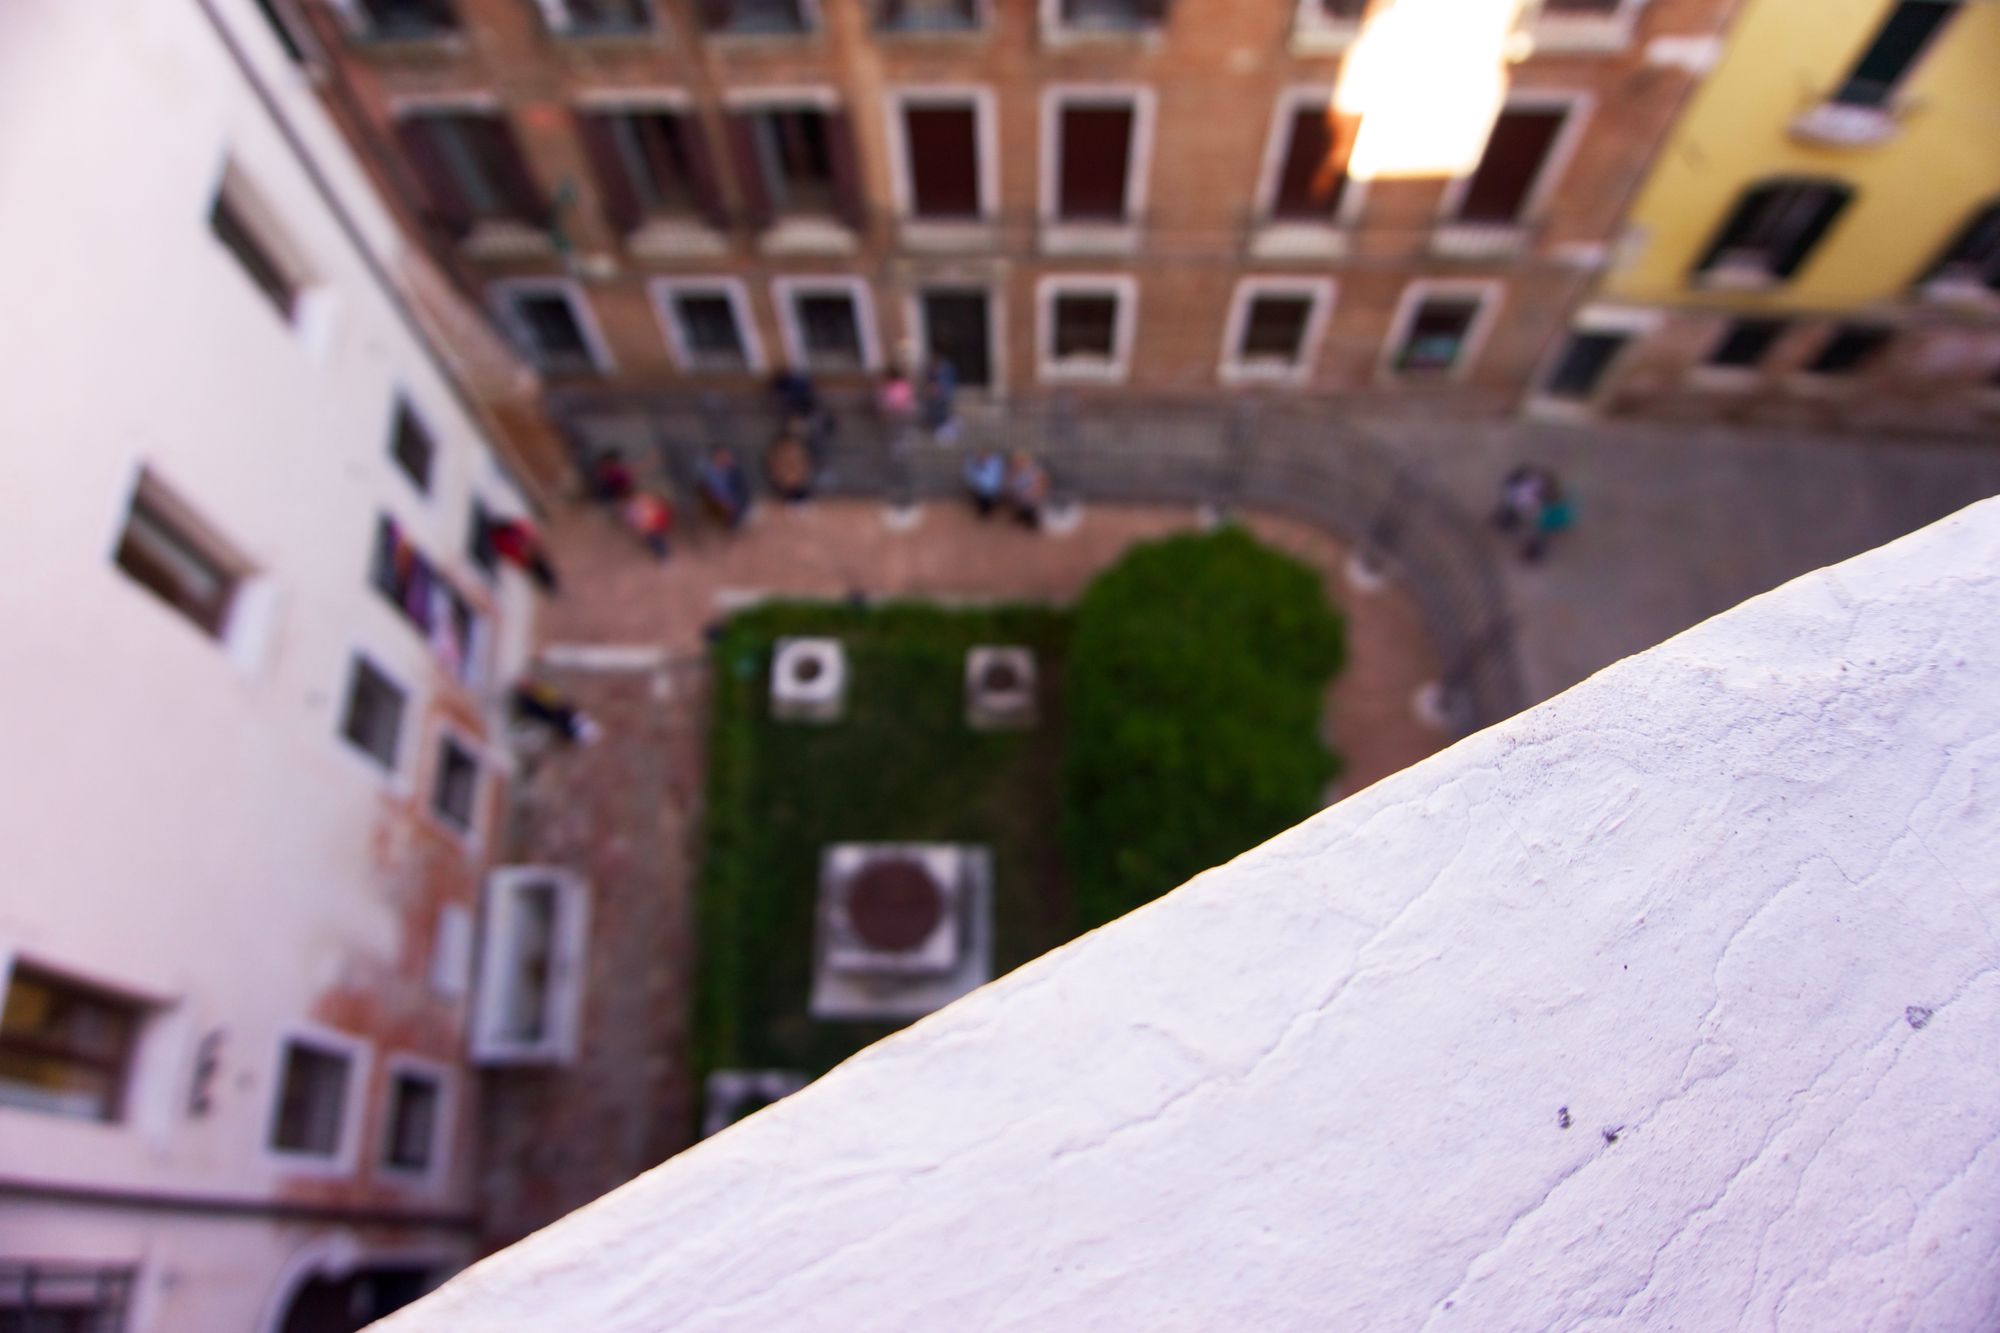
[1197, 669]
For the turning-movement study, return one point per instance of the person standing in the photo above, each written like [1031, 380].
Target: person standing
[651, 520]
[788, 467]
[725, 491]
[896, 400]
[1027, 488]
[940, 410]
[516, 541]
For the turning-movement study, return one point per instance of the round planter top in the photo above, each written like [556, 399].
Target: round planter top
[895, 905]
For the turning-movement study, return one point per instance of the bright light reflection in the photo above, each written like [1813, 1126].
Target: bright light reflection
[1426, 77]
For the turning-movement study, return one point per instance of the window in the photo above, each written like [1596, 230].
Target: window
[1274, 328]
[1972, 260]
[1746, 342]
[230, 217]
[415, 1102]
[1590, 7]
[548, 324]
[411, 446]
[939, 144]
[62, 1297]
[407, 20]
[1310, 181]
[1095, 158]
[65, 1047]
[163, 548]
[1516, 157]
[1438, 331]
[708, 325]
[1580, 369]
[455, 789]
[373, 720]
[479, 546]
[471, 169]
[1086, 327]
[422, 595]
[757, 16]
[312, 1099]
[1897, 45]
[650, 165]
[1108, 15]
[795, 161]
[597, 18]
[530, 988]
[826, 323]
[1771, 232]
[927, 15]
[278, 14]
[1344, 11]
[1851, 348]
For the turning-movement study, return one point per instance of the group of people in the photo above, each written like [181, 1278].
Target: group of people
[904, 405]
[1018, 483]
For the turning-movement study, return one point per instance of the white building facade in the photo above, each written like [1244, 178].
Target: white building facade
[254, 657]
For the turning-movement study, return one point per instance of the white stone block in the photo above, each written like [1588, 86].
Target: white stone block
[809, 680]
[1000, 684]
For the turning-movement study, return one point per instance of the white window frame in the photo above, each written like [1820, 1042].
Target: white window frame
[1068, 236]
[484, 767]
[245, 634]
[996, 325]
[1491, 294]
[785, 293]
[1056, 32]
[1319, 292]
[404, 1062]
[489, 1044]
[1577, 108]
[391, 775]
[1634, 323]
[141, 1076]
[501, 294]
[1274, 237]
[664, 290]
[360, 1053]
[986, 133]
[1125, 288]
[314, 302]
[1559, 34]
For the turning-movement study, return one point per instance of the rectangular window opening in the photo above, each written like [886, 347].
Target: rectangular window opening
[592, 18]
[796, 158]
[1437, 335]
[65, 1047]
[1585, 359]
[1112, 15]
[918, 16]
[455, 792]
[312, 1099]
[409, 20]
[709, 330]
[412, 448]
[1516, 153]
[411, 583]
[756, 17]
[1086, 326]
[373, 718]
[232, 217]
[943, 143]
[414, 1103]
[1851, 348]
[1275, 330]
[549, 331]
[829, 330]
[1095, 147]
[1895, 49]
[1772, 232]
[1310, 182]
[165, 550]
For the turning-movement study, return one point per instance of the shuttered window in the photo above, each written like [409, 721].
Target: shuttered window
[650, 164]
[1516, 152]
[1095, 147]
[943, 144]
[1774, 229]
[796, 162]
[472, 170]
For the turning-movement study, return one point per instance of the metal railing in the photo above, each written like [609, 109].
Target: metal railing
[1242, 454]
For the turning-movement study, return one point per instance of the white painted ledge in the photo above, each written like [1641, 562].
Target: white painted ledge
[1731, 903]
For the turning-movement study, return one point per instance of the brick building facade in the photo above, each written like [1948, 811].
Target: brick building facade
[657, 196]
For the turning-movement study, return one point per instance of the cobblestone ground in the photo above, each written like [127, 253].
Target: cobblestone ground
[625, 638]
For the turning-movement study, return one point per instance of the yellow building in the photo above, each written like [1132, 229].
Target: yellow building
[1820, 238]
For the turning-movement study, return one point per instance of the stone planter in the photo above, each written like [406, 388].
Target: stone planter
[999, 688]
[809, 680]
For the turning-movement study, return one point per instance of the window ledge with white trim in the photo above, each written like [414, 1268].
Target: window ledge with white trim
[501, 239]
[1737, 277]
[1834, 124]
[807, 236]
[1299, 240]
[676, 238]
[1962, 293]
[937, 236]
[1480, 240]
[1090, 238]
[1580, 34]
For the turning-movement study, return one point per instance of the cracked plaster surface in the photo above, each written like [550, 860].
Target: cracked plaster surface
[1671, 1003]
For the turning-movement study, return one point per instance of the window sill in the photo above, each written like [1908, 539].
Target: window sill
[939, 237]
[1252, 373]
[642, 36]
[1546, 407]
[1737, 278]
[807, 236]
[1959, 293]
[1090, 238]
[1725, 379]
[1478, 240]
[1322, 38]
[435, 45]
[1082, 372]
[507, 240]
[963, 33]
[674, 238]
[1580, 35]
[725, 39]
[1065, 35]
[1298, 240]
[1836, 125]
